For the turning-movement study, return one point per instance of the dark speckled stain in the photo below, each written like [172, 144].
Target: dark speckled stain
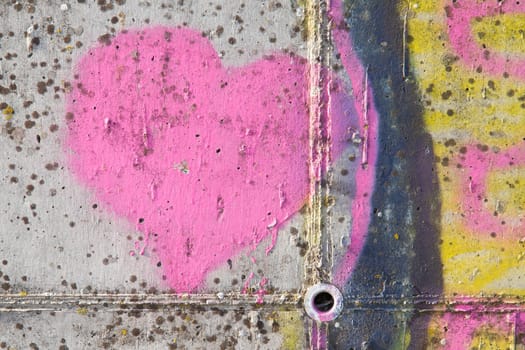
[405, 183]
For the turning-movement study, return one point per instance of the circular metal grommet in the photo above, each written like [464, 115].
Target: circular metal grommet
[323, 302]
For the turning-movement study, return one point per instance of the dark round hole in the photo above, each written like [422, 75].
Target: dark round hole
[323, 302]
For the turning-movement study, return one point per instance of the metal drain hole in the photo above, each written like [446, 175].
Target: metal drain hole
[323, 302]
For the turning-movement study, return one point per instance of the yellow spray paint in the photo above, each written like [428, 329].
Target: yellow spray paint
[469, 106]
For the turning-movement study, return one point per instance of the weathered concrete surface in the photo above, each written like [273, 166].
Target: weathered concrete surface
[175, 328]
[70, 263]
[176, 174]
[74, 236]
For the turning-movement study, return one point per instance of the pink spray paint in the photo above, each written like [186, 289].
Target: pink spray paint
[319, 337]
[261, 292]
[462, 327]
[460, 15]
[200, 153]
[477, 164]
[368, 126]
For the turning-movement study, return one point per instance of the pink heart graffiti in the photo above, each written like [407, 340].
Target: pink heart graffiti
[207, 160]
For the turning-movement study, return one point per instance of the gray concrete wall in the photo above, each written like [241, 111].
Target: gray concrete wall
[179, 174]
